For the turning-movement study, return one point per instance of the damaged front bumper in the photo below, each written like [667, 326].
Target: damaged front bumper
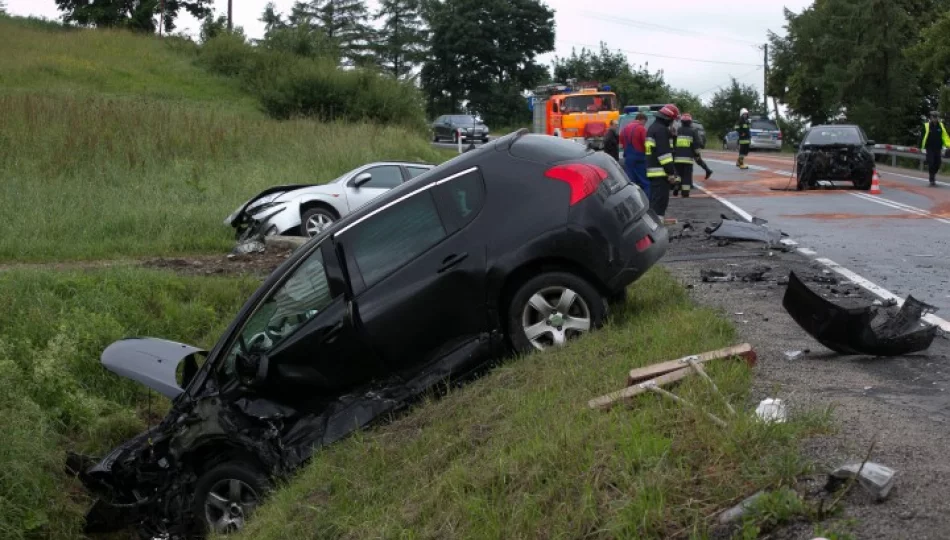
[858, 330]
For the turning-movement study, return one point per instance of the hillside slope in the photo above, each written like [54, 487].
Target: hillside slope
[122, 146]
[43, 57]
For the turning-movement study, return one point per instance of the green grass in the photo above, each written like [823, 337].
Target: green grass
[54, 393]
[94, 178]
[517, 454]
[44, 58]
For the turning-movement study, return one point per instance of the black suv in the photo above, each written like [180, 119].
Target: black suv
[518, 245]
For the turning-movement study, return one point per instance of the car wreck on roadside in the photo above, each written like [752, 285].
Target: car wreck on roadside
[835, 153]
[430, 282]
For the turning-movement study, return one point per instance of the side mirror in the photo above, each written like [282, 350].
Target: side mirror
[252, 368]
[361, 179]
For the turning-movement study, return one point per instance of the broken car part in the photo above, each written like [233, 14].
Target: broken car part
[426, 283]
[854, 330]
[730, 229]
[873, 477]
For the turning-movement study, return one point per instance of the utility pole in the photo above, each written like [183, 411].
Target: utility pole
[230, 18]
[765, 82]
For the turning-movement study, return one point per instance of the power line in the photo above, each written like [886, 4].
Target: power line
[702, 60]
[719, 87]
[653, 26]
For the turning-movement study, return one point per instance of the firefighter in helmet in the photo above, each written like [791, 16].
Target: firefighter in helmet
[685, 152]
[660, 170]
[744, 129]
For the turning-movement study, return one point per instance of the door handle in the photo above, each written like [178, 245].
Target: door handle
[451, 261]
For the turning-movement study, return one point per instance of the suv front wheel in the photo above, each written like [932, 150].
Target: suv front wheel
[551, 309]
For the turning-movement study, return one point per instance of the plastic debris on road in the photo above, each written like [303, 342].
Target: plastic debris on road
[875, 478]
[771, 410]
[859, 330]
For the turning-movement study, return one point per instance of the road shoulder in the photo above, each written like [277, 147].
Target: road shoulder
[902, 402]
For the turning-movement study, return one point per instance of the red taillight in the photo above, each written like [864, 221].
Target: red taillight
[644, 243]
[582, 178]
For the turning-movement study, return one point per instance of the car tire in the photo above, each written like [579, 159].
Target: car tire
[585, 311]
[318, 214]
[226, 495]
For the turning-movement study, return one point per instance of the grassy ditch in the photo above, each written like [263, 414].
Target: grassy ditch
[55, 395]
[111, 177]
[517, 454]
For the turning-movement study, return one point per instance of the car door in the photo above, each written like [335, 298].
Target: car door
[308, 330]
[382, 179]
[423, 267]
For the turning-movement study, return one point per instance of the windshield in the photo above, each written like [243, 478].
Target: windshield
[589, 103]
[463, 120]
[833, 135]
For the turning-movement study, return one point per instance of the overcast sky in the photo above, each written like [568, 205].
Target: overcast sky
[727, 34]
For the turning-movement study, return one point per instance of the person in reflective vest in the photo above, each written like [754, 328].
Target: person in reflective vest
[935, 140]
[686, 151]
[633, 141]
[744, 129]
[660, 170]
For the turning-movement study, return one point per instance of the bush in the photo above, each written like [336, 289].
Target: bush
[291, 85]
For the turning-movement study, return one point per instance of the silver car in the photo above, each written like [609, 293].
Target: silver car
[306, 209]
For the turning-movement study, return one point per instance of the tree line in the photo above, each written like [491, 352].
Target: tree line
[882, 64]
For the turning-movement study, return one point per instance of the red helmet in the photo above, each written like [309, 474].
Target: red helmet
[670, 111]
[686, 117]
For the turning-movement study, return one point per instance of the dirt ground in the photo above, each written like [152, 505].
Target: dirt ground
[902, 403]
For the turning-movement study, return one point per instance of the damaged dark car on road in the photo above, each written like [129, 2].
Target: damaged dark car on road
[517, 246]
[835, 153]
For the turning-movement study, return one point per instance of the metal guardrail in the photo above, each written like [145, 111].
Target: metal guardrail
[895, 151]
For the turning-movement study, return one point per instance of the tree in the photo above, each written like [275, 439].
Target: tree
[724, 107]
[846, 61]
[485, 52]
[633, 85]
[140, 15]
[342, 21]
[401, 42]
[932, 56]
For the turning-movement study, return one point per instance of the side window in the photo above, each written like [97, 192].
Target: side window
[299, 299]
[461, 198]
[384, 177]
[415, 171]
[395, 236]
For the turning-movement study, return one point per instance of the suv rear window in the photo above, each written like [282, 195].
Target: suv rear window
[765, 125]
[544, 149]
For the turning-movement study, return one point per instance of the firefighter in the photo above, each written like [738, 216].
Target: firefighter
[745, 137]
[660, 170]
[935, 140]
[612, 141]
[685, 152]
[633, 141]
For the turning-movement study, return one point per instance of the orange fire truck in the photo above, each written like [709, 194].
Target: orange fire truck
[580, 112]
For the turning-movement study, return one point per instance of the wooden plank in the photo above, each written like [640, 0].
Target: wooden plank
[608, 401]
[743, 351]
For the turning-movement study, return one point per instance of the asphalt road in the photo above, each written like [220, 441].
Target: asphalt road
[899, 240]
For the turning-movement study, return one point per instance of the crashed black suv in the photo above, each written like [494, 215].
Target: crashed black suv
[835, 153]
[517, 245]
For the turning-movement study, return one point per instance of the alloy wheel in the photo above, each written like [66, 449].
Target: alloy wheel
[228, 505]
[316, 223]
[554, 315]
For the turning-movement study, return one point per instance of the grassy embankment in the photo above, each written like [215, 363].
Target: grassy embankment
[117, 146]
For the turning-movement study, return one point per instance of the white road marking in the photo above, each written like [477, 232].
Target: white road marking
[900, 206]
[855, 278]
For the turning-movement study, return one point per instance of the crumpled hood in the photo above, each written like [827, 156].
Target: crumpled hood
[150, 361]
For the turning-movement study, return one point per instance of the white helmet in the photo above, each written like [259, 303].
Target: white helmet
[743, 112]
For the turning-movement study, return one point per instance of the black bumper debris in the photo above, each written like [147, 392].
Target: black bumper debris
[853, 330]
